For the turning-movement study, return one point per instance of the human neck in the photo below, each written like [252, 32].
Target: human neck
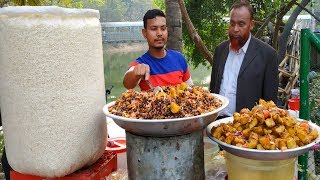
[157, 53]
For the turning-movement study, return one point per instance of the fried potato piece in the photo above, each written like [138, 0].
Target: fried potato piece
[253, 141]
[238, 140]
[265, 142]
[236, 125]
[236, 117]
[303, 136]
[182, 86]
[229, 138]
[246, 133]
[269, 122]
[252, 144]
[298, 141]
[267, 131]
[244, 118]
[174, 108]
[253, 123]
[161, 94]
[291, 131]
[173, 92]
[313, 134]
[260, 147]
[291, 143]
[289, 121]
[279, 130]
[281, 143]
[260, 117]
[245, 111]
[304, 126]
[217, 132]
[267, 127]
[258, 130]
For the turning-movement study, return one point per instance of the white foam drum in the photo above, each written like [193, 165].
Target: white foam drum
[51, 89]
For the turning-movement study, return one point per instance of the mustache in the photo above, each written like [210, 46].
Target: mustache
[159, 39]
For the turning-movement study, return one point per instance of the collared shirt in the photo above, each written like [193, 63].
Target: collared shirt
[231, 70]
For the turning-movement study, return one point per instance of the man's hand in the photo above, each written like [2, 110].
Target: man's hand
[142, 70]
[134, 74]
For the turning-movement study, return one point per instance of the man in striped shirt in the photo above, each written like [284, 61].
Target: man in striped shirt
[161, 66]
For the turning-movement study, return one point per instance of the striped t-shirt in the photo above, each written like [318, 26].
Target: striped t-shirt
[167, 71]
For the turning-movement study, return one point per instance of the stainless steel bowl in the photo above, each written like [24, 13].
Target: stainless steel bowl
[166, 127]
[267, 155]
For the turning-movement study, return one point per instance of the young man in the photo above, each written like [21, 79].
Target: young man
[161, 66]
[245, 69]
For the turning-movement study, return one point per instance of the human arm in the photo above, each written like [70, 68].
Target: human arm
[134, 74]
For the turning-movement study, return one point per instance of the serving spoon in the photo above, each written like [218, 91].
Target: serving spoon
[155, 89]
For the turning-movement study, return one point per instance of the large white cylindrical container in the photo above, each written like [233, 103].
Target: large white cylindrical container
[51, 89]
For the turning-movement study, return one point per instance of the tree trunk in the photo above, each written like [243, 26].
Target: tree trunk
[283, 11]
[174, 24]
[194, 35]
[270, 17]
[287, 28]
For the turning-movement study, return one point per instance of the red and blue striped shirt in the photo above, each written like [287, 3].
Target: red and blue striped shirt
[167, 71]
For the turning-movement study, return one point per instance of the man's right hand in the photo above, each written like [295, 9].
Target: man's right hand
[142, 70]
[134, 74]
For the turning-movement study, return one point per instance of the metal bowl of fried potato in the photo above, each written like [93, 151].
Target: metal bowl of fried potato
[266, 155]
[166, 127]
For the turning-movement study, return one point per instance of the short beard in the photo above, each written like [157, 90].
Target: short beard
[237, 43]
[158, 48]
[240, 41]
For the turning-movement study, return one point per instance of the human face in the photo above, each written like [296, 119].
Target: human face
[240, 26]
[156, 32]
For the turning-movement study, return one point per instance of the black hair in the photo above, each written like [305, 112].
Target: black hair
[150, 14]
[243, 3]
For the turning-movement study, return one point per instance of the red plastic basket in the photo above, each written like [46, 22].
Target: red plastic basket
[99, 170]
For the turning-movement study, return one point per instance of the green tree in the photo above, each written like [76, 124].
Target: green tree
[206, 17]
[62, 3]
[137, 8]
[113, 10]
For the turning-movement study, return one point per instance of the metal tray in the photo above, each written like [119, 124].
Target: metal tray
[267, 155]
[166, 127]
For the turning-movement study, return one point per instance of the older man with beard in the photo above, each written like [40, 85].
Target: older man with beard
[159, 65]
[244, 69]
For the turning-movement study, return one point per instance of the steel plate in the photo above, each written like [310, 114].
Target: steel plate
[267, 155]
[166, 127]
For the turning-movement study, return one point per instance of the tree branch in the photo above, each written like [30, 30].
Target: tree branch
[313, 15]
[283, 38]
[283, 11]
[271, 16]
[265, 23]
[193, 33]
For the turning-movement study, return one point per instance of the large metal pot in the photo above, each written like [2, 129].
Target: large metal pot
[166, 127]
[267, 155]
